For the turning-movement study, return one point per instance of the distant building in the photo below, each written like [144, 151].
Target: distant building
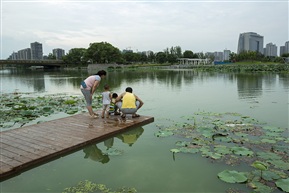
[227, 55]
[13, 56]
[127, 51]
[36, 51]
[282, 50]
[219, 56]
[24, 54]
[58, 53]
[271, 50]
[250, 41]
[287, 47]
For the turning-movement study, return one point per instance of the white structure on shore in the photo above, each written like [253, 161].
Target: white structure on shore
[194, 61]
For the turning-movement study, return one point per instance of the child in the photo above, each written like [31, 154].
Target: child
[113, 107]
[106, 99]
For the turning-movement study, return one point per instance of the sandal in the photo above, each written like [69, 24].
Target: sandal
[136, 115]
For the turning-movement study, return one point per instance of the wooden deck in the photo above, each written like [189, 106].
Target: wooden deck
[27, 147]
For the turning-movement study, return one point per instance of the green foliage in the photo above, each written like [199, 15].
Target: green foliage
[190, 54]
[283, 184]
[75, 57]
[51, 56]
[102, 53]
[232, 176]
[18, 110]
[234, 139]
[89, 187]
[246, 67]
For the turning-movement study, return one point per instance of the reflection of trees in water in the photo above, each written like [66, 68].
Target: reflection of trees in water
[129, 137]
[249, 85]
[284, 79]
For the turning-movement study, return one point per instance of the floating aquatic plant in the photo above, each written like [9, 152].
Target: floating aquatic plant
[90, 187]
[235, 139]
[21, 108]
[232, 176]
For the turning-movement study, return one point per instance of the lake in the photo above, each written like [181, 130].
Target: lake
[146, 162]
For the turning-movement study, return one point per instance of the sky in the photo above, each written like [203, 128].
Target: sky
[139, 25]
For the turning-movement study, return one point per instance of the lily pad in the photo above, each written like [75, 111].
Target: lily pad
[163, 133]
[175, 150]
[283, 184]
[242, 151]
[232, 176]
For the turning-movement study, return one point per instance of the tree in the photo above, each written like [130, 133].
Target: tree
[151, 57]
[172, 58]
[75, 57]
[103, 52]
[51, 56]
[188, 54]
[161, 57]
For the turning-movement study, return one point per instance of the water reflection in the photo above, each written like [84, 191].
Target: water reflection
[249, 85]
[131, 136]
[96, 154]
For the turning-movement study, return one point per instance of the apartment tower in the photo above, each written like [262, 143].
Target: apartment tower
[250, 41]
[36, 51]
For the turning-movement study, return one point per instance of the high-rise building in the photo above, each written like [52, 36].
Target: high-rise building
[36, 51]
[219, 56]
[271, 50]
[13, 56]
[287, 47]
[250, 41]
[227, 55]
[24, 54]
[282, 50]
[58, 53]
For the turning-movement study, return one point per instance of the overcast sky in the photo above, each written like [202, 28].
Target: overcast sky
[199, 26]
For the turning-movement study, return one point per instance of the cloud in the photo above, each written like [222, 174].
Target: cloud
[141, 25]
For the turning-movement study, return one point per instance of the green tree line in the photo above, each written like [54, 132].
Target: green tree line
[105, 53]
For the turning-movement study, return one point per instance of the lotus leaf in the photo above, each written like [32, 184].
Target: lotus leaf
[232, 176]
[283, 184]
[274, 129]
[269, 175]
[70, 102]
[164, 133]
[175, 150]
[242, 151]
[46, 108]
[221, 149]
[268, 141]
[268, 156]
[19, 106]
[182, 143]
[189, 150]
[216, 156]
[206, 132]
[280, 164]
[260, 165]
[259, 187]
[72, 111]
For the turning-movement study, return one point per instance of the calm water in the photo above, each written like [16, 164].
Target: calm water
[147, 163]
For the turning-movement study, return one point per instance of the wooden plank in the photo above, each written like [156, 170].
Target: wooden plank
[29, 146]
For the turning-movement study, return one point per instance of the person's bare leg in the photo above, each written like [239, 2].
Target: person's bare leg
[89, 108]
